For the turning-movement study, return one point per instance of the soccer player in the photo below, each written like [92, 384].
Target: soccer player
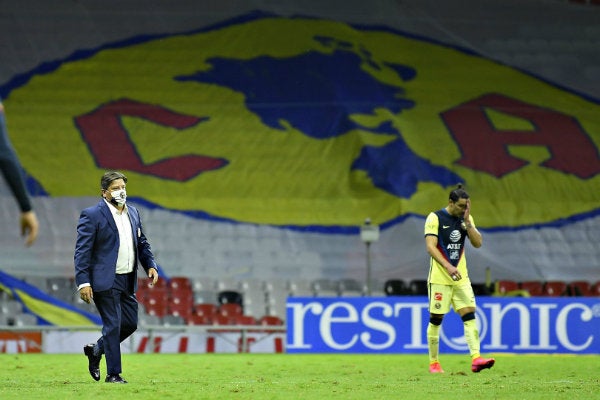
[448, 281]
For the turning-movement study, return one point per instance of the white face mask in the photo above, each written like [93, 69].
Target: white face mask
[119, 196]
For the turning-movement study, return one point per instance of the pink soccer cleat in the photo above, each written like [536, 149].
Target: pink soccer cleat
[435, 368]
[482, 363]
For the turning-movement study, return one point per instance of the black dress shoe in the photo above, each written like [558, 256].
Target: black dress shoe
[114, 379]
[93, 361]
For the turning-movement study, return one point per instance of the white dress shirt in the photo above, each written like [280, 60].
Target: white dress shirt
[126, 255]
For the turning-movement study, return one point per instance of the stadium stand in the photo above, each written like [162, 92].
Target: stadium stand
[418, 287]
[184, 312]
[244, 319]
[40, 282]
[177, 283]
[202, 283]
[579, 288]
[534, 288]
[270, 320]
[396, 287]
[325, 288]
[230, 309]
[195, 319]
[566, 52]
[207, 310]
[351, 288]
[206, 296]
[505, 287]
[146, 319]
[220, 319]
[173, 320]
[157, 309]
[481, 289]
[174, 304]
[25, 320]
[54, 284]
[299, 288]
[230, 297]
[554, 289]
[11, 307]
[253, 296]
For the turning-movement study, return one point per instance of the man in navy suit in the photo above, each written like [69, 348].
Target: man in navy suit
[110, 244]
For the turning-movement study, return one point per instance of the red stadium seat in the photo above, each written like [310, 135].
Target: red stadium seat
[156, 295]
[159, 309]
[580, 288]
[182, 297]
[205, 309]
[505, 287]
[219, 319]
[177, 283]
[155, 302]
[195, 319]
[230, 309]
[183, 310]
[554, 288]
[271, 320]
[181, 303]
[146, 283]
[535, 288]
[244, 320]
[595, 289]
[182, 306]
[140, 295]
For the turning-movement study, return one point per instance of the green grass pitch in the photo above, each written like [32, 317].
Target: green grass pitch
[312, 376]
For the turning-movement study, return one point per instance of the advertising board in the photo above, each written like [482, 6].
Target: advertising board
[399, 325]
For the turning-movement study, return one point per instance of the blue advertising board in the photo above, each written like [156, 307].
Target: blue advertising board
[399, 325]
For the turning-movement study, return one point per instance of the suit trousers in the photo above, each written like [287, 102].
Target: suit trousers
[118, 309]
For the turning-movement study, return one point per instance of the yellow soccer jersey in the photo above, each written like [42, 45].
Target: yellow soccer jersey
[451, 243]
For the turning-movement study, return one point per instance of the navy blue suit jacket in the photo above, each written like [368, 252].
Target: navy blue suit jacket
[97, 247]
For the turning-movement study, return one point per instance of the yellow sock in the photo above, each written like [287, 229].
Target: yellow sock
[472, 337]
[433, 342]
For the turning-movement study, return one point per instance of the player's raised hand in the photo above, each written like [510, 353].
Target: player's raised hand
[467, 211]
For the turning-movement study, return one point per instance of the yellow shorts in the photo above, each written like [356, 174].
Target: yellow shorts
[441, 297]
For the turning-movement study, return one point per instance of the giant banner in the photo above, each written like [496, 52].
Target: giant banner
[222, 123]
[399, 324]
[256, 147]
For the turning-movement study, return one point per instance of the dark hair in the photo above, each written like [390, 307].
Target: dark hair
[458, 193]
[109, 177]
